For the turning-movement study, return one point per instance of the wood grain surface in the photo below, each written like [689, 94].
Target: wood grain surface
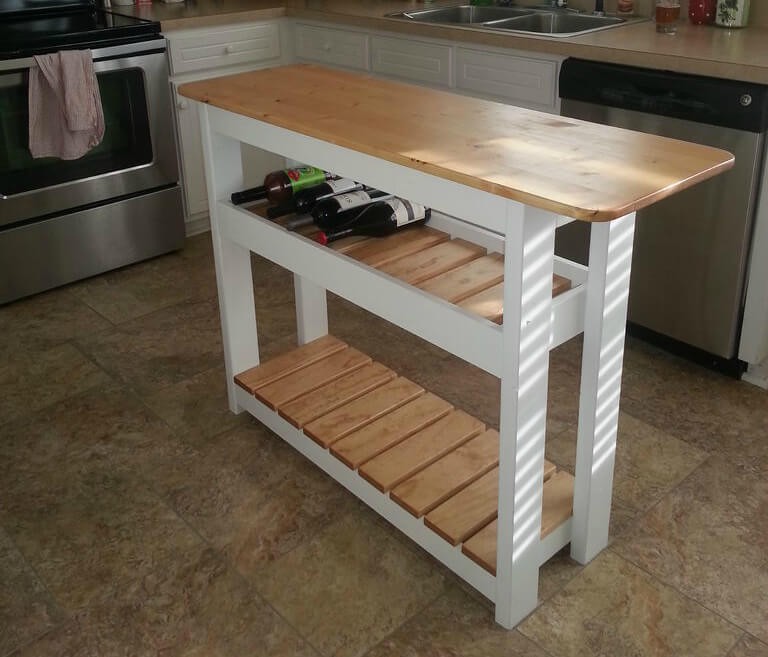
[568, 166]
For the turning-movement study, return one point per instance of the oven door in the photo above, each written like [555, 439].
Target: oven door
[137, 153]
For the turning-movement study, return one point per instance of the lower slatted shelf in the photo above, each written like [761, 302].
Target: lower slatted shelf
[437, 462]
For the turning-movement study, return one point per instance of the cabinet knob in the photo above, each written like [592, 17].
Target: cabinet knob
[182, 104]
[326, 46]
[229, 49]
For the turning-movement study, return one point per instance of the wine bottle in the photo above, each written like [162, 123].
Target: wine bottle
[304, 200]
[279, 186]
[335, 210]
[378, 219]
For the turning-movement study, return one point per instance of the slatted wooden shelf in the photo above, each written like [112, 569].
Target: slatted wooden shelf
[453, 269]
[437, 462]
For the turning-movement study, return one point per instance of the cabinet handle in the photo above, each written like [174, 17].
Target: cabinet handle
[229, 49]
[182, 104]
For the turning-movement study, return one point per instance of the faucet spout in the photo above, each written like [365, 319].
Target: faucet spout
[599, 9]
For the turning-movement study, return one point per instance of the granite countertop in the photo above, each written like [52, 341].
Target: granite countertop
[704, 50]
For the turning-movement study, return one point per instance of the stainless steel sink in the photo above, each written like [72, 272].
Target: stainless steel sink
[463, 14]
[528, 20]
[555, 23]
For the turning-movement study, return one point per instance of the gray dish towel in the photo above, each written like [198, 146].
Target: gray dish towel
[65, 115]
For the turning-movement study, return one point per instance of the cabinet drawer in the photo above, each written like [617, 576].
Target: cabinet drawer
[216, 48]
[412, 60]
[520, 80]
[337, 47]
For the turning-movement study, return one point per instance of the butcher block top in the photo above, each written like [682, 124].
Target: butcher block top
[582, 170]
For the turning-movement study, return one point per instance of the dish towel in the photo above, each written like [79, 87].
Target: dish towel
[66, 119]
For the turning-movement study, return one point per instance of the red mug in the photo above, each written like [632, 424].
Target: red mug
[702, 12]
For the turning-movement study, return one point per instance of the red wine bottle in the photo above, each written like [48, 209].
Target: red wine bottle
[335, 210]
[378, 219]
[280, 186]
[305, 199]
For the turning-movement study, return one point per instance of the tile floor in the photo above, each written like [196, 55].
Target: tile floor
[139, 517]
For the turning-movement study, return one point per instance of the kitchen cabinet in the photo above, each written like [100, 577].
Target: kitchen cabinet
[326, 45]
[494, 527]
[513, 77]
[420, 61]
[201, 52]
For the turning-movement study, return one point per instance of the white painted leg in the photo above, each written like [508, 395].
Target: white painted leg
[528, 267]
[610, 260]
[311, 309]
[224, 174]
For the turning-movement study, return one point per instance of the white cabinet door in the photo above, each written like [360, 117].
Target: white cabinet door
[190, 155]
[412, 60]
[330, 46]
[203, 49]
[524, 81]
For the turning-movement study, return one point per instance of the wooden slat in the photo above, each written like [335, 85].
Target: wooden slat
[434, 484]
[311, 377]
[379, 251]
[436, 260]
[417, 452]
[471, 509]
[490, 302]
[390, 429]
[468, 279]
[557, 507]
[289, 362]
[336, 393]
[342, 421]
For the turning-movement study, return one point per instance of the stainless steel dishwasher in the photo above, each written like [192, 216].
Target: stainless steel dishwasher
[691, 250]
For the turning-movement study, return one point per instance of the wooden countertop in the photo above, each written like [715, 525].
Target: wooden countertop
[582, 170]
[701, 50]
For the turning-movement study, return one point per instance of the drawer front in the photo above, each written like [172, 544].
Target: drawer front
[336, 47]
[520, 80]
[412, 60]
[233, 46]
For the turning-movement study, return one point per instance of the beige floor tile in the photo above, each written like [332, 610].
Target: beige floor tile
[44, 321]
[104, 531]
[27, 610]
[36, 379]
[455, 625]
[350, 586]
[749, 646]
[197, 408]
[249, 494]
[709, 539]
[649, 462]
[194, 606]
[614, 608]
[102, 427]
[146, 287]
[158, 350]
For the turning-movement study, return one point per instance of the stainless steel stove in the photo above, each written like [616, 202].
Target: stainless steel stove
[63, 220]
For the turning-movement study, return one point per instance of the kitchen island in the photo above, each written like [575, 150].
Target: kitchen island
[499, 180]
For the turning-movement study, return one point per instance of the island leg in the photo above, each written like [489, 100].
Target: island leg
[610, 260]
[528, 265]
[224, 175]
[311, 309]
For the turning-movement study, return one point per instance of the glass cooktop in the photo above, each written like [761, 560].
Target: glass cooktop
[26, 34]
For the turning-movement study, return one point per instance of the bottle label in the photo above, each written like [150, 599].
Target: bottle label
[339, 186]
[302, 177]
[352, 200]
[405, 212]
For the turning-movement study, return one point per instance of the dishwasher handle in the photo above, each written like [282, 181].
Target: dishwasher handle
[726, 103]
